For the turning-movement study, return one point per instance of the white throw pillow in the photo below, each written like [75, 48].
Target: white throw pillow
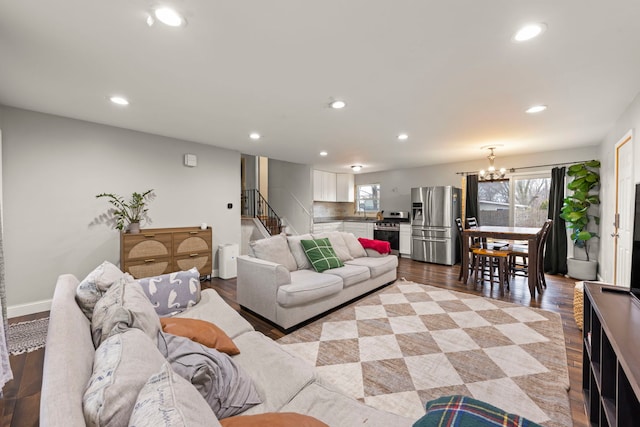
[338, 244]
[355, 248]
[275, 249]
[298, 251]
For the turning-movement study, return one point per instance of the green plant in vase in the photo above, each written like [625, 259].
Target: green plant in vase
[577, 209]
[128, 213]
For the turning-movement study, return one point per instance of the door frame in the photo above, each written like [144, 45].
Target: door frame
[627, 138]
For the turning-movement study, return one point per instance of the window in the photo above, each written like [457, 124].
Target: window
[368, 198]
[520, 201]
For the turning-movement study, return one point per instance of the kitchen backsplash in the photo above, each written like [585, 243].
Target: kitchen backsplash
[333, 209]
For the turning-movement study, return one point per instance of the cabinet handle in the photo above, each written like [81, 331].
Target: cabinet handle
[192, 255]
[149, 235]
[150, 260]
[193, 232]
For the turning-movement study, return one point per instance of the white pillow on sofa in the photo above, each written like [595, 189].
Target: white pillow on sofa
[92, 287]
[298, 251]
[355, 248]
[275, 249]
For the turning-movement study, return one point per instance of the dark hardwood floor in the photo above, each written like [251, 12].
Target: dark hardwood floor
[21, 401]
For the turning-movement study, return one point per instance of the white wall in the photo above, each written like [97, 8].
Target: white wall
[291, 193]
[395, 186]
[629, 120]
[53, 167]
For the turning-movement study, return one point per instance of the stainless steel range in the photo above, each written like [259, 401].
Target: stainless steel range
[388, 229]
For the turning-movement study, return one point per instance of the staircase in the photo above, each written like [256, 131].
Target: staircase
[253, 205]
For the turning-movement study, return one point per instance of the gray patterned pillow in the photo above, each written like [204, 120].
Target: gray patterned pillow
[121, 366]
[122, 307]
[172, 293]
[224, 385]
[92, 287]
[168, 400]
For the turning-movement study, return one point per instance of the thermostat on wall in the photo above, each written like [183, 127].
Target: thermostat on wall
[190, 160]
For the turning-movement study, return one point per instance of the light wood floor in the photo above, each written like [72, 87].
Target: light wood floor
[21, 402]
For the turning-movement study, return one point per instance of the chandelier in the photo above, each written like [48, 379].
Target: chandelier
[491, 173]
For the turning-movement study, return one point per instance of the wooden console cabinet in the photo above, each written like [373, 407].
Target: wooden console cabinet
[611, 356]
[156, 251]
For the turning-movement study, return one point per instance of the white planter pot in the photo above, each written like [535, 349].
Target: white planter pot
[582, 269]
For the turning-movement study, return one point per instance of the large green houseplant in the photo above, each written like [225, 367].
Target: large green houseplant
[578, 212]
[128, 213]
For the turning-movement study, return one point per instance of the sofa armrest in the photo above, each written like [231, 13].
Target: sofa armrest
[257, 285]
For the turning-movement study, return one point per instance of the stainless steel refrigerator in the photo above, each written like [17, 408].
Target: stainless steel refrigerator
[434, 235]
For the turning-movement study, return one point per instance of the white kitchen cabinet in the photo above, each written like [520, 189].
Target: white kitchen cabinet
[324, 186]
[359, 229]
[325, 227]
[405, 239]
[345, 191]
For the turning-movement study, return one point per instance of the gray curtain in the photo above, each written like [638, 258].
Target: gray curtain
[472, 209]
[555, 257]
[5, 367]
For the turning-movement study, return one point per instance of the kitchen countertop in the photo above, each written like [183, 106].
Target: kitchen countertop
[321, 220]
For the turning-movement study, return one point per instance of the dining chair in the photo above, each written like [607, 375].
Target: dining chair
[472, 246]
[541, 282]
[522, 251]
[486, 262]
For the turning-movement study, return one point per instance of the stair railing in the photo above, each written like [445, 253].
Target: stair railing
[253, 204]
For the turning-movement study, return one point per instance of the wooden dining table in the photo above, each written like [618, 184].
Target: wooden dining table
[530, 234]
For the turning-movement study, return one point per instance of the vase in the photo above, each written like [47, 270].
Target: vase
[134, 228]
[582, 269]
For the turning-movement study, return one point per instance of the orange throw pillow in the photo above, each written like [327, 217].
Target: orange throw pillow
[272, 419]
[200, 331]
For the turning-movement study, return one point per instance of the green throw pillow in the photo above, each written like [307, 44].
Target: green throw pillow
[462, 411]
[321, 254]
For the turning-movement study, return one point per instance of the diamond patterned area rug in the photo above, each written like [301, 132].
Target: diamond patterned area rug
[411, 343]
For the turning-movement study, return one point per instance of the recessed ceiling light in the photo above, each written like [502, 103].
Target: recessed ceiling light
[356, 168]
[323, 153]
[529, 31]
[337, 104]
[536, 109]
[169, 17]
[403, 137]
[254, 135]
[119, 100]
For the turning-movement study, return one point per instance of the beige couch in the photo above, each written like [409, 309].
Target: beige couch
[276, 282]
[285, 383]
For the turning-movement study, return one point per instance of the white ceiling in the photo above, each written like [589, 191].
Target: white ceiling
[446, 72]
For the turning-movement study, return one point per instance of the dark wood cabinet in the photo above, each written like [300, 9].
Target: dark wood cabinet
[156, 251]
[611, 356]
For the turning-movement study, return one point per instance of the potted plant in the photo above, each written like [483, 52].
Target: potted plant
[131, 212]
[577, 211]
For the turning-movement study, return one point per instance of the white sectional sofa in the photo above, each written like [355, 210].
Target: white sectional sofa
[278, 283]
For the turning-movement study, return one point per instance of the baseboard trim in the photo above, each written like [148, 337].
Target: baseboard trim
[30, 308]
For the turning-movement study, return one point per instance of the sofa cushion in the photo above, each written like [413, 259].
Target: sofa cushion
[321, 254]
[200, 331]
[337, 243]
[277, 375]
[298, 251]
[92, 287]
[460, 411]
[350, 274]
[172, 293]
[122, 365]
[212, 308]
[307, 286]
[168, 400]
[274, 249]
[222, 383]
[273, 419]
[355, 248]
[122, 307]
[377, 266]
